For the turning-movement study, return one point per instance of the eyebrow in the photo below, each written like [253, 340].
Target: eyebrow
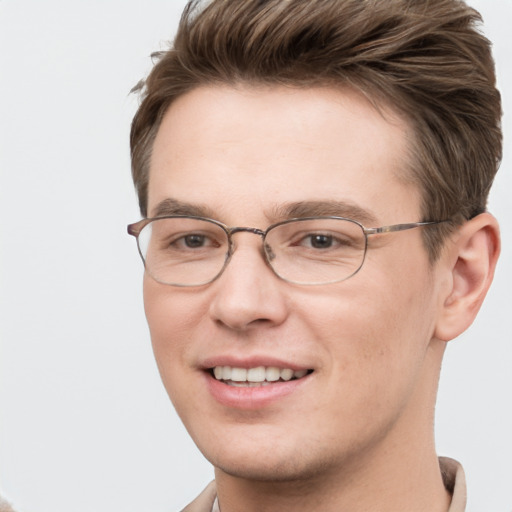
[172, 206]
[302, 209]
[286, 211]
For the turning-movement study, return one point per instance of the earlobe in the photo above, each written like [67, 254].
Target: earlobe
[473, 255]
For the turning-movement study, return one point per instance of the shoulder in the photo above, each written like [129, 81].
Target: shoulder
[204, 502]
[5, 506]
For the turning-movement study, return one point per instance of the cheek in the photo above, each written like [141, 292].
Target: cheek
[173, 318]
[374, 328]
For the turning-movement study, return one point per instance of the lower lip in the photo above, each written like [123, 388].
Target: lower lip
[250, 398]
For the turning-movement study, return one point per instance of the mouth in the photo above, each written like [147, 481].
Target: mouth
[259, 376]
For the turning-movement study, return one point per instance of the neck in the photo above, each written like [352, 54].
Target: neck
[413, 482]
[400, 471]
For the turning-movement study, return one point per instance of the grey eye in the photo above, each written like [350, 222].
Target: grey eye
[320, 241]
[194, 241]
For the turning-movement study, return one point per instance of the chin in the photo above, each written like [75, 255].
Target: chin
[269, 471]
[277, 461]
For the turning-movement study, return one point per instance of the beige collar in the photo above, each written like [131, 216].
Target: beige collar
[455, 482]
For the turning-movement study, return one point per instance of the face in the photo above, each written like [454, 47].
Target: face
[243, 156]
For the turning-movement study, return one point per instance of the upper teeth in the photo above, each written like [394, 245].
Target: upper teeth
[258, 374]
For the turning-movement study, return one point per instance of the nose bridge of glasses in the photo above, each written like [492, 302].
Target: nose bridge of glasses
[255, 231]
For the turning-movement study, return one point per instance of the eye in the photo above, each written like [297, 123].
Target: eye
[323, 241]
[194, 240]
[319, 241]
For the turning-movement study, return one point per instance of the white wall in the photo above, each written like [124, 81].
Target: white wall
[85, 425]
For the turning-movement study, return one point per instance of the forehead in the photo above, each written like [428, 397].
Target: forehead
[226, 147]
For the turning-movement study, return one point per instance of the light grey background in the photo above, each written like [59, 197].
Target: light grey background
[85, 425]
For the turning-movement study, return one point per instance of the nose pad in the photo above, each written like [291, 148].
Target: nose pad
[268, 253]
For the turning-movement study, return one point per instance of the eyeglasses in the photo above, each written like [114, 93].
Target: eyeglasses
[193, 251]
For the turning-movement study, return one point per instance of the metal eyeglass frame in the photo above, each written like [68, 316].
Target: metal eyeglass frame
[136, 228]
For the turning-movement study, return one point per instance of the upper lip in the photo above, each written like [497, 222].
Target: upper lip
[250, 362]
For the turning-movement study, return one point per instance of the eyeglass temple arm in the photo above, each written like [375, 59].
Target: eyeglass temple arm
[399, 227]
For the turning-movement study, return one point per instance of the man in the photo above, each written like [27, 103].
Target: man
[313, 178]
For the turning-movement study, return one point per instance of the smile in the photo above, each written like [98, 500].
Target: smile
[256, 377]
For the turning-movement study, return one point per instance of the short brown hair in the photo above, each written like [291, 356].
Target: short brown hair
[427, 59]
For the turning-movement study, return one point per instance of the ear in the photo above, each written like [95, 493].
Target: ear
[471, 255]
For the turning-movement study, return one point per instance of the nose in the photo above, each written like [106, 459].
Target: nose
[248, 293]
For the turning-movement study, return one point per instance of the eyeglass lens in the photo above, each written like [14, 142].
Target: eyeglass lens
[189, 252]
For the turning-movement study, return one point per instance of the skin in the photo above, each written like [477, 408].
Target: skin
[357, 434]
